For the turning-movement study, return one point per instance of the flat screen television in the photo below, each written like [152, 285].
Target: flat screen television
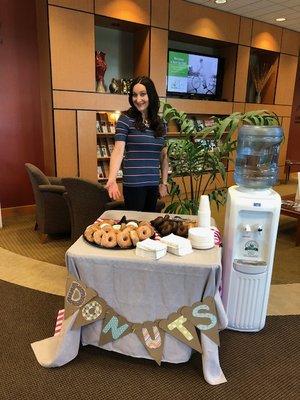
[193, 75]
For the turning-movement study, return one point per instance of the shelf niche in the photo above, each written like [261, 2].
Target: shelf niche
[126, 46]
[260, 62]
[226, 51]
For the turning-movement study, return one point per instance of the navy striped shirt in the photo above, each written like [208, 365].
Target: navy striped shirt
[142, 153]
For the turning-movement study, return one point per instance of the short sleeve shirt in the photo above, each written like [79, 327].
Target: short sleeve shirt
[142, 153]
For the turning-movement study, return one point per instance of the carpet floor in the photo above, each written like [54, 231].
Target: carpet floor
[263, 365]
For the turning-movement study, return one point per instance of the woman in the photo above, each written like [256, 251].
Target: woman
[140, 132]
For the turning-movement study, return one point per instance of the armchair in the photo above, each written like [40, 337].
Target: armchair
[52, 214]
[87, 201]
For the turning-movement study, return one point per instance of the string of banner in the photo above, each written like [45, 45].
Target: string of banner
[183, 324]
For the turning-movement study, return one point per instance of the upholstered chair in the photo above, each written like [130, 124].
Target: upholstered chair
[52, 213]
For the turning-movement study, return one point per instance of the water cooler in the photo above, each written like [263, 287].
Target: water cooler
[251, 223]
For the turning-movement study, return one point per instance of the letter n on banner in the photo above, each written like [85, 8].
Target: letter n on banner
[152, 337]
[204, 316]
[180, 327]
[114, 327]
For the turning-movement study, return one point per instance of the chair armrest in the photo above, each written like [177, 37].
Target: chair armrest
[52, 188]
[115, 205]
[54, 180]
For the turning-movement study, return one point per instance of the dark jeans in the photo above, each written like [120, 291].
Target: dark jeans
[140, 198]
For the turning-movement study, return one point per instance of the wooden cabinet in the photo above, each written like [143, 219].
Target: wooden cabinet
[136, 35]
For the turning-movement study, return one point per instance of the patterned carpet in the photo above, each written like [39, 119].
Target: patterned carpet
[262, 365]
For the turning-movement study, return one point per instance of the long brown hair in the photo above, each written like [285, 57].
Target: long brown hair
[155, 122]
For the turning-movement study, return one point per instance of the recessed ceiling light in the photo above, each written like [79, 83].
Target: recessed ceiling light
[282, 19]
[220, 1]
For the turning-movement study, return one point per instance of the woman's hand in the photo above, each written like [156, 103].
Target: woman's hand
[163, 190]
[113, 189]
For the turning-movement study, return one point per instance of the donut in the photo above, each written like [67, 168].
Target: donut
[132, 223]
[117, 227]
[123, 239]
[88, 233]
[108, 221]
[144, 232]
[182, 230]
[97, 236]
[109, 239]
[157, 221]
[107, 228]
[134, 236]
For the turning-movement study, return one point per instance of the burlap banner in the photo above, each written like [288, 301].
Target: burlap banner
[183, 324]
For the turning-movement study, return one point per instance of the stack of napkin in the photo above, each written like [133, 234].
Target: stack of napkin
[177, 245]
[150, 248]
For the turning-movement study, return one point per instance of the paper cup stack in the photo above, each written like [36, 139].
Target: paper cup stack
[201, 238]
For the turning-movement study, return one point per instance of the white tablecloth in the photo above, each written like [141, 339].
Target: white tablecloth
[141, 289]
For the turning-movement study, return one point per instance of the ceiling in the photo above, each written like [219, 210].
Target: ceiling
[262, 10]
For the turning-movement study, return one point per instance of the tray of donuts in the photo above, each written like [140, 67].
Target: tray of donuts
[178, 226]
[116, 235]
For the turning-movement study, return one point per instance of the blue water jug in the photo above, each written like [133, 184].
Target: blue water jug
[256, 163]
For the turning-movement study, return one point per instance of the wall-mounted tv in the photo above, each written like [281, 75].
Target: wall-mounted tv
[193, 75]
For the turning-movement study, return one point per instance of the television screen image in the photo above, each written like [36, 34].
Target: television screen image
[193, 74]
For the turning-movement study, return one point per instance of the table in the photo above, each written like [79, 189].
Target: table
[290, 210]
[141, 290]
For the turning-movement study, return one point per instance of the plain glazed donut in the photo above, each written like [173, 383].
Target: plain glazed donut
[109, 239]
[89, 232]
[123, 239]
[144, 232]
[107, 228]
[134, 237]
[97, 236]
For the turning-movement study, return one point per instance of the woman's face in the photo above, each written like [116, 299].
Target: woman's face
[140, 98]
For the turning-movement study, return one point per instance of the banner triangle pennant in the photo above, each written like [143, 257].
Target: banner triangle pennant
[182, 329]
[92, 311]
[77, 295]
[114, 327]
[204, 316]
[152, 337]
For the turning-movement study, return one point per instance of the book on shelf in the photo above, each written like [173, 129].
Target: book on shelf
[98, 151]
[104, 150]
[100, 172]
[110, 145]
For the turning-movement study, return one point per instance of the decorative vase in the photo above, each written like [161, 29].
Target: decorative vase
[101, 67]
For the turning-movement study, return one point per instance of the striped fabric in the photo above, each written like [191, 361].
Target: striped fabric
[59, 321]
[142, 153]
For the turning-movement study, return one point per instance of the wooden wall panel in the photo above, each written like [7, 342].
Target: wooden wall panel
[158, 59]
[201, 106]
[290, 42]
[245, 31]
[72, 49]
[282, 111]
[89, 101]
[266, 36]
[238, 107]
[84, 5]
[66, 142]
[286, 79]
[241, 75]
[283, 148]
[160, 14]
[45, 87]
[129, 10]
[203, 21]
[141, 53]
[87, 145]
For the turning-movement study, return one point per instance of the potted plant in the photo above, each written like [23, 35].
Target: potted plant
[198, 158]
